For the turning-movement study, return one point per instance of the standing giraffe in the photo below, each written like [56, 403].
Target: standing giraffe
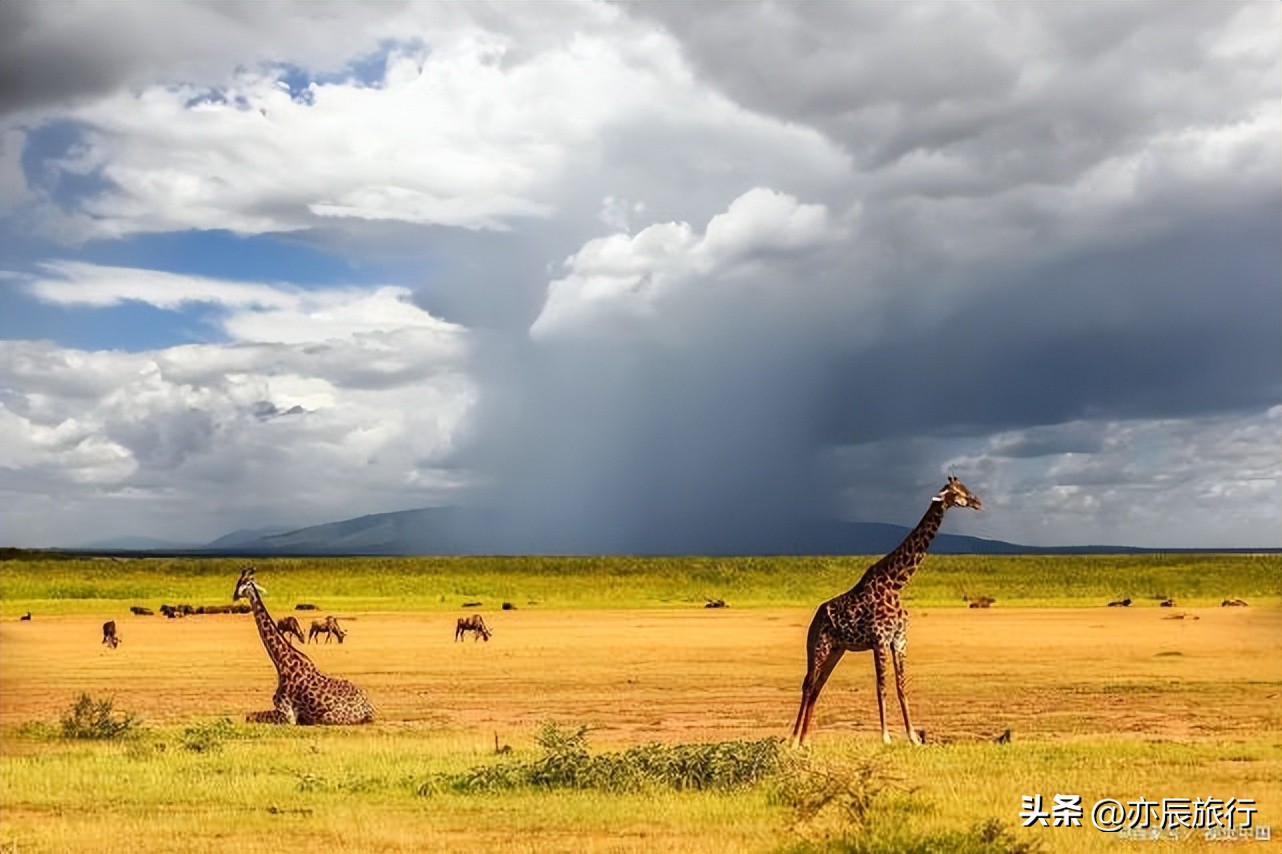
[304, 694]
[869, 616]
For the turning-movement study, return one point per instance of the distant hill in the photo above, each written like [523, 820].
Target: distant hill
[244, 535]
[463, 531]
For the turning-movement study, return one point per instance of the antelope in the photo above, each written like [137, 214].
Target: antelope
[328, 627]
[473, 624]
[289, 626]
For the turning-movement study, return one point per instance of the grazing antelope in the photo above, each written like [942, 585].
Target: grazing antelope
[328, 627]
[290, 626]
[109, 636]
[473, 624]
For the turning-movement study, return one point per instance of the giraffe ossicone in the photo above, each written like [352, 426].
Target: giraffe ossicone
[304, 695]
[869, 616]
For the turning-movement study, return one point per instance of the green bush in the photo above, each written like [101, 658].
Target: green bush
[93, 719]
[566, 763]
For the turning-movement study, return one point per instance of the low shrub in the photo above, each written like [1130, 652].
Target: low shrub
[566, 763]
[93, 719]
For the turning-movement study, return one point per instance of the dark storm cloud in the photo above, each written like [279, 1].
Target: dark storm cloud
[1182, 326]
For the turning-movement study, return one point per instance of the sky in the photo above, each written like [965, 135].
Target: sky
[639, 274]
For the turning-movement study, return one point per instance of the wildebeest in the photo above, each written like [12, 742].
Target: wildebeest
[26, 616]
[1233, 603]
[305, 606]
[473, 624]
[328, 627]
[109, 636]
[290, 626]
[141, 611]
[1120, 603]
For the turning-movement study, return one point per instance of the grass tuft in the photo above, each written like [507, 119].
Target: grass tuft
[862, 808]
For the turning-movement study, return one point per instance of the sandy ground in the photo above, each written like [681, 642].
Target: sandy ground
[690, 674]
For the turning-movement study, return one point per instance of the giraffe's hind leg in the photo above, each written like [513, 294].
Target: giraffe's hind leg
[901, 678]
[823, 660]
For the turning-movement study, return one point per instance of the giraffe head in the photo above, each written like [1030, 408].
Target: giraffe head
[955, 494]
[244, 583]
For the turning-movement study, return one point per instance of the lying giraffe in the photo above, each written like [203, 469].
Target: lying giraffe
[473, 624]
[304, 695]
[329, 628]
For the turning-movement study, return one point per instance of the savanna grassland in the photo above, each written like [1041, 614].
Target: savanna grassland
[1102, 702]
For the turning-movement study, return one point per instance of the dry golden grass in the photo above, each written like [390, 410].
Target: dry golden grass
[1129, 681]
[689, 674]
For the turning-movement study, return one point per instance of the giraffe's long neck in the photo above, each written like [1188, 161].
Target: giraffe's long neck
[899, 566]
[282, 653]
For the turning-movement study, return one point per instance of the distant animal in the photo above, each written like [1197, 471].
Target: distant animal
[290, 626]
[508, 606]
[982, 602]
[1004, 738]
[473, 624]
[1120, 603]
[473, 604]
[303, 695]
[870, 616]
[715, 603]
[141, 611]
[1233, 603]
[305, 606]
[26, 616]
[109, 635]
[328, 627]
[1167, 603]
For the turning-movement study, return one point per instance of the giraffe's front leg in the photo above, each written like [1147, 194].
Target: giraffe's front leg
[284, 705]
[901, 678]
[879, 661]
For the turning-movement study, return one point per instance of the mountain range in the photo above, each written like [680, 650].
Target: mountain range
[473, 531]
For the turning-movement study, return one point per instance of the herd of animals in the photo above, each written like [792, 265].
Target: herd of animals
[868, 617]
